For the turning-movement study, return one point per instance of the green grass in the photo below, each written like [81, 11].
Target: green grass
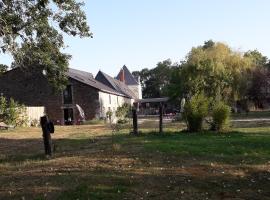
[231, 148]
[92, 163]
[252, 114]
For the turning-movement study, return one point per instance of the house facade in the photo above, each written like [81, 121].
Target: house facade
[84, 98]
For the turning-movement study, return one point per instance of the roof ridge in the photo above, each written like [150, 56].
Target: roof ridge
[93, 82]
[118, 85]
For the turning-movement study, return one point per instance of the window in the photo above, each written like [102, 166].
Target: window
[110, 99]
[67, 94]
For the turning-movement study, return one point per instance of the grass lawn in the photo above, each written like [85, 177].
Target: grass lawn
[252, 115]
[89, 163]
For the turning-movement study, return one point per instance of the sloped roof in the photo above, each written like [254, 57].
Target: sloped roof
[115, 84]
[88, 79]
[129, 78]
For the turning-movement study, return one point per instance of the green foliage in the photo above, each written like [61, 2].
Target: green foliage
[257, 58]
[123, 111]
[109, 115]
[32, 32]
[221, 116]
[213, 69]
[258, 83]
[11, 112]
[196, 109]
[3, 68]
[155, 81]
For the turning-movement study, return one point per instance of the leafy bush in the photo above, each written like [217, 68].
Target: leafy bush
[109, 115]
[12, 113]
[195, 111]
[221, 116]
[122, 121]
[122, 113]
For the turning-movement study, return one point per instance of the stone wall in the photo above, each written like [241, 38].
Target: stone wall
[32, 89]
[110, 102]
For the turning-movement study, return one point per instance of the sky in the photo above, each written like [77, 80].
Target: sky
[141, 33]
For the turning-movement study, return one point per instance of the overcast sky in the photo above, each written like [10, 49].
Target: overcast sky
[140, 33]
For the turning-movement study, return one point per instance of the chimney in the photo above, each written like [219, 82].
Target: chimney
[122, 75]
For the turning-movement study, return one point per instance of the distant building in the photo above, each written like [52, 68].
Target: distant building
[84, 98]
[133, 84]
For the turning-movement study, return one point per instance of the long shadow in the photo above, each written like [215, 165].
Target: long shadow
[140, 180]
[230, 148]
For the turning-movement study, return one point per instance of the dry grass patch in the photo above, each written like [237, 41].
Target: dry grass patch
[89, 164]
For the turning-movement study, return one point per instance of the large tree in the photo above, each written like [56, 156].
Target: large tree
[155, 81]
[32, 32]
[259, 84]
[213, 69]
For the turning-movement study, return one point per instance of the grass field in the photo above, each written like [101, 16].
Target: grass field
[88, 163]
[252, 115]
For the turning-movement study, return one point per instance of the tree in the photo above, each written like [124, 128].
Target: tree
[208, 44]
[155, 81]
[258, 90]
[32, 31]
[212, 69]
[3, 68]
[257, 58]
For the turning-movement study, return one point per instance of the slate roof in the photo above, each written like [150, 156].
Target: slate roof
[129, 78]
[115, 84]
[88, 79]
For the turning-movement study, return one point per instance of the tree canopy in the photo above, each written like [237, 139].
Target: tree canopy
[213, 69]
[155, 81]
[32, 32]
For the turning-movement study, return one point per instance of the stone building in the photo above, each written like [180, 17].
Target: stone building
[84, 98]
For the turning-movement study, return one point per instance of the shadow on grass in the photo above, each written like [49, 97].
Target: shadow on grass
[228, 148]
[110, 181]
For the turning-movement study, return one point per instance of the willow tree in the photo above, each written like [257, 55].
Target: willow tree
[215, 70]
[32, 32]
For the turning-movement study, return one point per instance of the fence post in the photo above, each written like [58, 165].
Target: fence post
[135, 121]
[46, 135]
[160, 118]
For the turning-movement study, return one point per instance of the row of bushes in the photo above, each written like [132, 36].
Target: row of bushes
[199, 107]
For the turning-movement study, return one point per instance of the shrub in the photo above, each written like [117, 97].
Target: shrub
[122, 113]
[109, 115]
[12, 113]
[195, 111]
[221, 116]
[122, 121]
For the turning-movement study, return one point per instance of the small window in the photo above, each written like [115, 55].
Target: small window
[110, 99]
[67, 95]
